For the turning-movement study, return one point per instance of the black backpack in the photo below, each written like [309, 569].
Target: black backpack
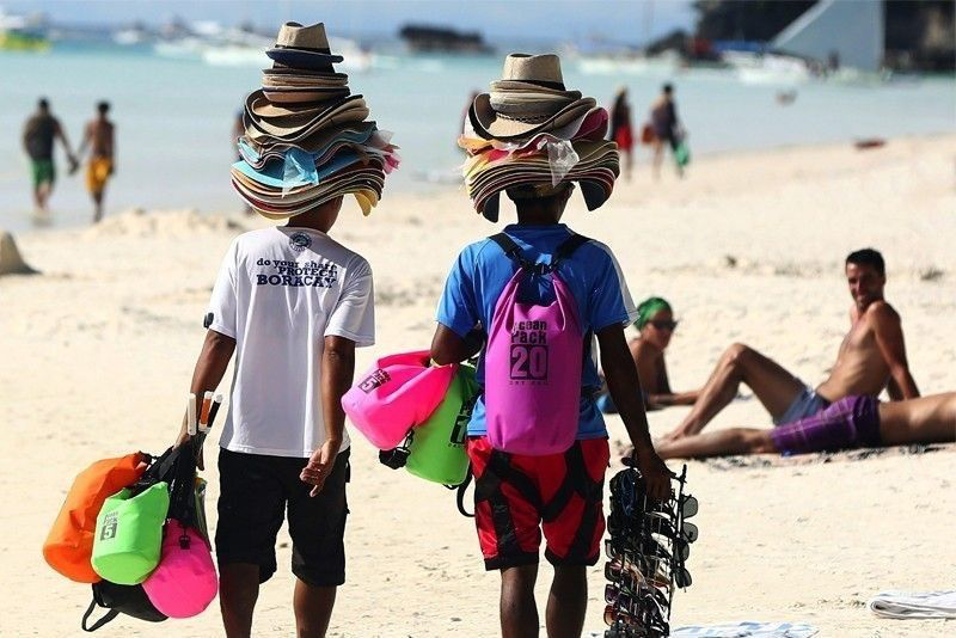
[128, 600]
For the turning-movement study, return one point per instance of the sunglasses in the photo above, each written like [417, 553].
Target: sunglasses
[663, 526]
[631, 577]
[621, 624]
[634, 603]
[664, 325]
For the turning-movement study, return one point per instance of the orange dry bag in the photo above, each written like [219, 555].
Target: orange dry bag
[69, 545]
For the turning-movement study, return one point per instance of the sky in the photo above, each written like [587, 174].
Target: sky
[625, 21]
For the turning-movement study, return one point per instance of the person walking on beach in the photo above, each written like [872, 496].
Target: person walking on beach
[292, 304]
[621, 131]
[872, 357]
[519, 496]
[100, 136]
[667, 128]
[40, 133]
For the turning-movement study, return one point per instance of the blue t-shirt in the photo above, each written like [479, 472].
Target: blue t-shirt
[592, 274]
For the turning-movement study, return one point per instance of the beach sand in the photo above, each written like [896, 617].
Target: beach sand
[96, 354]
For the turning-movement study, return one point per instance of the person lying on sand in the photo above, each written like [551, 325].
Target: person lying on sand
[857, 421]
[656, 324]
[872, 357]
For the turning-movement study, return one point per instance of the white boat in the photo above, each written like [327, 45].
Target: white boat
[768, 68]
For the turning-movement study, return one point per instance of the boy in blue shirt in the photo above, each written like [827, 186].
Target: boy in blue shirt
[509, 520]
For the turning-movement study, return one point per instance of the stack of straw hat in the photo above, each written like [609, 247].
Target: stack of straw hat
[531, 132]
[307, 140]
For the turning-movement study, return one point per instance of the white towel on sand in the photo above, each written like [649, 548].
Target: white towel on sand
[915, 605]
[747, 629]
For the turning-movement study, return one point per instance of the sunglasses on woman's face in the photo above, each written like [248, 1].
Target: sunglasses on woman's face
[664, 325]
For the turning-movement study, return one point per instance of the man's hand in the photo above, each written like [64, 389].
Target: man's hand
[320, 466]
[656, 474]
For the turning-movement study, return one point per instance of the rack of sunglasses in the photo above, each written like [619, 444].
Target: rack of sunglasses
[648, 547]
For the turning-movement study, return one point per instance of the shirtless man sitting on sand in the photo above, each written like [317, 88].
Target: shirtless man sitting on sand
[871, 358]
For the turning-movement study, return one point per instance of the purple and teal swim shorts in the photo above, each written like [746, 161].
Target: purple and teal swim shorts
[852, 422]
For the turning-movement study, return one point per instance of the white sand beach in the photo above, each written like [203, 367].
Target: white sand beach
[97, 351]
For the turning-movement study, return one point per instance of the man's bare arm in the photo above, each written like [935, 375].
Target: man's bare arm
[889, 339]
[449, 348]
[622, 382]
[217, 350]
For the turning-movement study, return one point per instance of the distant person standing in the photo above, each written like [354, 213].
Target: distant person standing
[100, 137]
[621, 130]
[666, 127]
[39, 135]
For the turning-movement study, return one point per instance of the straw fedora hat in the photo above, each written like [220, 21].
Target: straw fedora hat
[530, 98]
[303, 47]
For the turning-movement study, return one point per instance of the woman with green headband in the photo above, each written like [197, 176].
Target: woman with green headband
[656, 324]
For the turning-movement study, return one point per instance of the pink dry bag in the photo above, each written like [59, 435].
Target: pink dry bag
[398, 393]
[533, 362]
[185, 582]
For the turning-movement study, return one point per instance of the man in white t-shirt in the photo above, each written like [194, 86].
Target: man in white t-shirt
[292, 304]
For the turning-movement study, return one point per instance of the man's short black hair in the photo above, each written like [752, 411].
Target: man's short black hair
[868, 257]
[103, 107]
[44, 104]
[668, 88]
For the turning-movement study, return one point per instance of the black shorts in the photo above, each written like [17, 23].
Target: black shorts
[255, 490]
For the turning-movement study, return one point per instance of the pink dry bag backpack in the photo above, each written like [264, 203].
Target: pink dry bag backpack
[533, 362]
[397, 393]
[185, 581]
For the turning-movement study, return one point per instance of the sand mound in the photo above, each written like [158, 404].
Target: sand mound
[11, 262]
[141, 223]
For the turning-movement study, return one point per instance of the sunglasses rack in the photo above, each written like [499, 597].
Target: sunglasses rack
[648, 547]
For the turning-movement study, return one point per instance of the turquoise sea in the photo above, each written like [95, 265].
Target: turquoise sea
[174, 117]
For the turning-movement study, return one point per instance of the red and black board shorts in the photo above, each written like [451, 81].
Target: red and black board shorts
[516, 496]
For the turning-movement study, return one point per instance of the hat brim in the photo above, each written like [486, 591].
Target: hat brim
[304, 95]
[488, 123]
[300, 58]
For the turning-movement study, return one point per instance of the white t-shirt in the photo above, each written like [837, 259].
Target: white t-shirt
[279, 293]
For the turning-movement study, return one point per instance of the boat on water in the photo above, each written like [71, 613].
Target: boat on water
[214, 45]
[19, 33]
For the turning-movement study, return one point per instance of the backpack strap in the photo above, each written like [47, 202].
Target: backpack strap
[513, 251]
[105, 619]
[563, 252]
[567, 248]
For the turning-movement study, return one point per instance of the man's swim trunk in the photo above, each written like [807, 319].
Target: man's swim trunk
[97, 173]
[806, 404]
[518, 495]
[852, 422]
[43, 172]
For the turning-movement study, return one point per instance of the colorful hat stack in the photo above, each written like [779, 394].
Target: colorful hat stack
[307, 140]
[531, 132]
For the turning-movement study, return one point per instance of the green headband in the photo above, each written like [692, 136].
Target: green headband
[648, 308]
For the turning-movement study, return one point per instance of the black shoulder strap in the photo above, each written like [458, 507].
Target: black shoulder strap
[508, 245]
[105, 619]
[568, 247]
[461, 488]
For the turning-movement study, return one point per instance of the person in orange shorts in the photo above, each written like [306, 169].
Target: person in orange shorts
[100, 137]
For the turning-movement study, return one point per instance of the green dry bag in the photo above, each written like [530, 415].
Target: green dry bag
[682, 154]
[129, 534]
[437, 450]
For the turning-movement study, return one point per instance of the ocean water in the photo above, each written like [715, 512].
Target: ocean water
[174, 117]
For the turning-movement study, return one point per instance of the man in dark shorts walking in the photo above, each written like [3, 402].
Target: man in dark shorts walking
[39, 135]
